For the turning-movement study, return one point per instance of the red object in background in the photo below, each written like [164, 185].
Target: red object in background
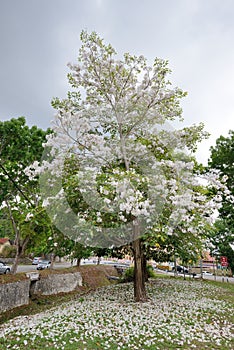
[224, 261]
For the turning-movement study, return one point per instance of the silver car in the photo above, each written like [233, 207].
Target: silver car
[4, 269]
[43, 264]
[36, 260]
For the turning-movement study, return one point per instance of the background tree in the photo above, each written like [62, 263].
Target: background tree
[222, 159]
[5, 228]
[19, 195]
[61, 246]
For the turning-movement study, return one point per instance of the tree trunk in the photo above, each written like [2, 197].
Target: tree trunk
[16, 242]
[139, 275]
[145, 272]
[20, 249]
[78, 261]
[52, 257]
[16, 261]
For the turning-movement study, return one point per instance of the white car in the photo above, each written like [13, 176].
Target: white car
[207, 273]
[43, 264]
[4, 269]
[36, 260]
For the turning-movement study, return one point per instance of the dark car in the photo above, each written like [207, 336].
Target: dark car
[4, 269]
[43, 264]
[180, 269]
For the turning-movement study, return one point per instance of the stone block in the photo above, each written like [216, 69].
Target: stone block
[56, 283]
[14, 294]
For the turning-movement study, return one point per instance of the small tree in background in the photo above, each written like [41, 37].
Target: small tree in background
[19, 195]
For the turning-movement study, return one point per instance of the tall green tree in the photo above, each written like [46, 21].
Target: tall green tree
[20, 145]
[222, 159]
[61, 246]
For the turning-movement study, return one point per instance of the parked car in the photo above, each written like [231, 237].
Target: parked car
[180, 269]
[4, 269]
[43, 264]
[207, 273]
[36, 260]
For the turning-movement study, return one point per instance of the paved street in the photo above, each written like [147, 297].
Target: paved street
[33, 268]
[205, 277]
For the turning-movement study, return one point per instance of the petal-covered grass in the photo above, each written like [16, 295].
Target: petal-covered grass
[180, 315]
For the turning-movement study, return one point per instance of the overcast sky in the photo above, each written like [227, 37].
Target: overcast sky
[39, 37]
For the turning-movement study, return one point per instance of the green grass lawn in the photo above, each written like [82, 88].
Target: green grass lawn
[181, 314]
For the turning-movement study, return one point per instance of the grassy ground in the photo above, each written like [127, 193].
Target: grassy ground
[180, 315]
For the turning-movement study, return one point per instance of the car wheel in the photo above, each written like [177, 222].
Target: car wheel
[7, 271]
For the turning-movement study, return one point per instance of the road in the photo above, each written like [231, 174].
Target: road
[33, 268]
[205, 277]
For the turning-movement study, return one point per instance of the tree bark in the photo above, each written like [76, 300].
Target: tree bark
[52, 257]
[20, 249]
[145, 272]
[139, 269]
[16, 261]
[16, 242]
[78, 261]
[139, 273]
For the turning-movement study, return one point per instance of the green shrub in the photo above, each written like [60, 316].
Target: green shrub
[9, 251]
[150, 271]
[129, 273]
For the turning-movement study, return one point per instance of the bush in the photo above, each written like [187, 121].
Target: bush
[9, 251]
[150, 271]
[129, 273]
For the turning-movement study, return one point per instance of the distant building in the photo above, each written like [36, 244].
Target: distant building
[3, 243]
[208, 260]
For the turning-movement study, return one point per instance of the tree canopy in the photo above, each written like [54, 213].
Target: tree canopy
[114, 169]
[222, 159]
[20, 145]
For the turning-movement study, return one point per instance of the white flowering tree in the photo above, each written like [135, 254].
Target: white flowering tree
[114, 171]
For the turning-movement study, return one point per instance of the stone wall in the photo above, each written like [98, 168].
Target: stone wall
[14, 294]
[56, 283]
